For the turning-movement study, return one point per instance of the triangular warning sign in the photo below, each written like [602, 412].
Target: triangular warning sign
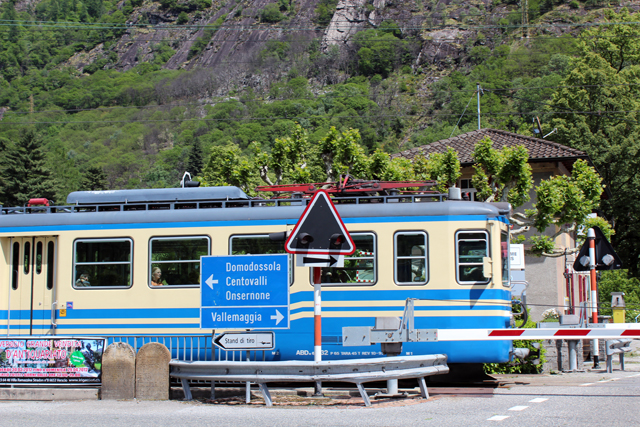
[603, 249]
[320, 230]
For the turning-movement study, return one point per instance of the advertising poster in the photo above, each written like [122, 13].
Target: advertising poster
[51, 360]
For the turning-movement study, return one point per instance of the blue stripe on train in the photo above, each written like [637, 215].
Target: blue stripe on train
[453, 295]
[284, 221]
[297, 343]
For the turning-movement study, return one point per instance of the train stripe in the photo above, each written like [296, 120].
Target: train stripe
[252, 222]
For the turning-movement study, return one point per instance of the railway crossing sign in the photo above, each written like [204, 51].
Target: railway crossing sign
[244, 292]
[320, 231]
[606, 257]
[246, 341]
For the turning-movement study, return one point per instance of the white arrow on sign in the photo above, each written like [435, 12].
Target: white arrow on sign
[278, 317]
[210, 281]
[311, 260]
[245, 341]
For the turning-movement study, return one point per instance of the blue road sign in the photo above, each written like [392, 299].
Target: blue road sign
[244, 292]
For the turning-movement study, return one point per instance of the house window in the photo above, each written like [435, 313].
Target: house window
[359, 268]
[411, 258]
[471, 248]
[175, 261]
[102, 263]
[466, 187]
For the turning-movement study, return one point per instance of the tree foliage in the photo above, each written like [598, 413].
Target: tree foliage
[603, 80]
[501, 175]
[25, 173]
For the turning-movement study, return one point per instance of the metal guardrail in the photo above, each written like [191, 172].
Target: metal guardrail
[356, 371]
[619, 347]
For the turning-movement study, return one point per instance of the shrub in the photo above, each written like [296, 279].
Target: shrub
[183, 18]
[271, 13]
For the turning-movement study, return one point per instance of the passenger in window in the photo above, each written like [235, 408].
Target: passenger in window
[83, 280]
[156, 277]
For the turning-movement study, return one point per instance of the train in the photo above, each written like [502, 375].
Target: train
[127, 263]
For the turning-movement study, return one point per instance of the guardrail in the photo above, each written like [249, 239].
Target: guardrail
[356, 371]
[619, 347]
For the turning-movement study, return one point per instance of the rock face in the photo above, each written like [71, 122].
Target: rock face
[152, 372]
[348, 19]
[119, 372]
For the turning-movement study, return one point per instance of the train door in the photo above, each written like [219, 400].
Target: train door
[31, 291]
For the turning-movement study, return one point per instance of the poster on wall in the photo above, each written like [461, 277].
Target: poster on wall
[56, 360]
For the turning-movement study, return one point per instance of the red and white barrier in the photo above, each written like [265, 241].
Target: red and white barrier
[606, 331]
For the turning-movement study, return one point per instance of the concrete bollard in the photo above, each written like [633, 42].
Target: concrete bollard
[152, 372]
[118, 372]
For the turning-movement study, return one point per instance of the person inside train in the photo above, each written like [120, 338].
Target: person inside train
[83, 280]
[156, 277]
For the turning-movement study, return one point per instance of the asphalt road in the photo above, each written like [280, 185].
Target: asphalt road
[589, 398]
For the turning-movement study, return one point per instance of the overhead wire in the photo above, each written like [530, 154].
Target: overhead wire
[326, 96]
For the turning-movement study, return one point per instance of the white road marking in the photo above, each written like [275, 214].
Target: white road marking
[498, 418]
[538, 400]
[636, 375]
[584, 385]
[518, 408]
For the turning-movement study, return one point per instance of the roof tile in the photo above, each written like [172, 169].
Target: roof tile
[539, 149]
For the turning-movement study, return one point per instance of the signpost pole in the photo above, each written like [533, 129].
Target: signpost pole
[317, 322]
[591, 237]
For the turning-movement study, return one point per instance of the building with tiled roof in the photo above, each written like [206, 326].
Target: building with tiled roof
[545, 276]
[540, 150]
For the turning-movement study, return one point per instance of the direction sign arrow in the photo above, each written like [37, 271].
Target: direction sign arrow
[277, 317]
[245, 341]
[210, 282]
[309, 260]
[336, 261]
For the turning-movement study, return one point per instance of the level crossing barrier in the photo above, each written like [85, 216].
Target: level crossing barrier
[356, 371]
[619, 347]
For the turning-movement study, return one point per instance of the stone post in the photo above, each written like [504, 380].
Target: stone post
[118, 372]
[152, 372]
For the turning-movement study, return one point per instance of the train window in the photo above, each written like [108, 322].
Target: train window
[259, 244]
[471, 248]
[359, 268]
[411, 258]
[102, 263]
[175, 261]
[27, 257]
[15, 265]
[38, 257]
[50, 264]
[504, 248]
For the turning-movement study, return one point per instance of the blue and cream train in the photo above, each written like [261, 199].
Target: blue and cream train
[126, 263]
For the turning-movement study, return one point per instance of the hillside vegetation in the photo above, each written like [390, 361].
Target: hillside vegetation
[130, 94]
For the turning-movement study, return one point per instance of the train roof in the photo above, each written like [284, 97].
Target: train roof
[156, 195]
[223, 204]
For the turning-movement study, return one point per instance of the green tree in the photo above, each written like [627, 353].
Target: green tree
[600, 104]
[94, 179]
[25, 173]
[196, 158]
[501, 175]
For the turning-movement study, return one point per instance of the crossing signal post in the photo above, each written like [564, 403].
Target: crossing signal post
[319, 233]
[596, 254]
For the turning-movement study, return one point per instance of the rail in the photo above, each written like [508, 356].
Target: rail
[356, 371]
[213, 204]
